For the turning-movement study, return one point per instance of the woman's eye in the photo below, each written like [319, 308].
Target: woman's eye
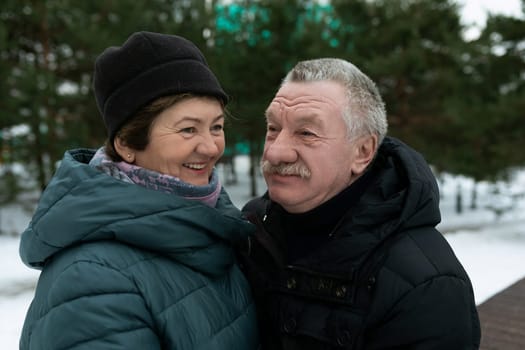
[217, 128]
[189, 130]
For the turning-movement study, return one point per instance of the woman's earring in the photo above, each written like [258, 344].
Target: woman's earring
[129, 155]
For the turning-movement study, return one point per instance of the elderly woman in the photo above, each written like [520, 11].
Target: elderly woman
[135, 240]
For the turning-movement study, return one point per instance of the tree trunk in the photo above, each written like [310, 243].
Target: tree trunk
[459, 200]
[474, 198]
[253, 168]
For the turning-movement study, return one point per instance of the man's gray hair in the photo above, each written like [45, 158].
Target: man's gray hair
[365, 112]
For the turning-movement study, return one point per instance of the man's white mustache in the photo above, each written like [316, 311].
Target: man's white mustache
[290, 169]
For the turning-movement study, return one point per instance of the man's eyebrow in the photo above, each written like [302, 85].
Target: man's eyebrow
[268, 114]
[302, 120]
[308, 118]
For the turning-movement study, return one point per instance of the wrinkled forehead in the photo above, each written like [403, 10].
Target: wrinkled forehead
[310, 98]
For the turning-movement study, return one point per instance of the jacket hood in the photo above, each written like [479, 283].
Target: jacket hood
[405, 193]
[82, 204]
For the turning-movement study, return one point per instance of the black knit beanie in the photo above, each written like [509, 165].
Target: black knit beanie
[148, 66]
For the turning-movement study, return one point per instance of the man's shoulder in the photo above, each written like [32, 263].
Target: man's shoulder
[420, 262]
[422, 254]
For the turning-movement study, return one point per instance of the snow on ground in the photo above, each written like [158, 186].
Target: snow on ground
[491, 247]
[493, 256]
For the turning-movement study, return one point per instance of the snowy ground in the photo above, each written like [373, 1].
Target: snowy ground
[491, 247]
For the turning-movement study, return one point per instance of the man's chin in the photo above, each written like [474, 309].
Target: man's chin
[289, 200]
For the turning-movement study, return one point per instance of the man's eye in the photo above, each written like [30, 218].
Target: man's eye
[306, 133]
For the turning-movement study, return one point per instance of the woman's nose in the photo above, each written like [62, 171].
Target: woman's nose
[209, 146]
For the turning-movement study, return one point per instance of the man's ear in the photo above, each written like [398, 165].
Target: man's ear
[365, 150]
[123, 151]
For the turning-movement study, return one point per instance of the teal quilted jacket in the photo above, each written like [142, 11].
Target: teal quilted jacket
[124, 267]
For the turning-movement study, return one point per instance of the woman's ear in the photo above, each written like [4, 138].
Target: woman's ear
[365, 151]
[123, 151]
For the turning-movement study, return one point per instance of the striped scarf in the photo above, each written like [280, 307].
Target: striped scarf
[208, 194]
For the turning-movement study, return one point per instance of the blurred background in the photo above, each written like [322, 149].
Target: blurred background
[452, 74]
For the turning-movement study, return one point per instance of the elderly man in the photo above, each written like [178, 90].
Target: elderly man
[347, 255]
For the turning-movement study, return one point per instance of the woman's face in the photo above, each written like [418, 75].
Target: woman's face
[186, 140]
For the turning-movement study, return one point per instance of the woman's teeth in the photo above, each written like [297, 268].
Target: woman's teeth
[195, 166]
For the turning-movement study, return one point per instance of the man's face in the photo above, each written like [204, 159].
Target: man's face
[306, 132]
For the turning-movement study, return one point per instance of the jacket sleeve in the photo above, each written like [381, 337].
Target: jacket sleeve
[436, 314]
[88, 306]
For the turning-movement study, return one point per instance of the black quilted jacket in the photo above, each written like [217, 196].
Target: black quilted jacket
[384, 279]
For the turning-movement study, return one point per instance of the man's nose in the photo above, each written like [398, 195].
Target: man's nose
[280, 149]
